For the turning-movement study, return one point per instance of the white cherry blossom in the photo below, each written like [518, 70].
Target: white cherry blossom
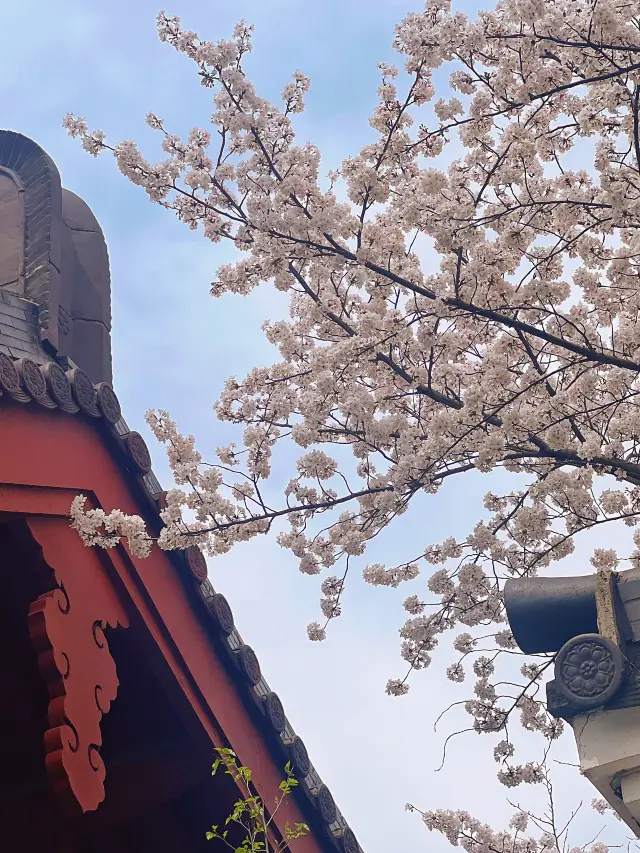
[511, 344]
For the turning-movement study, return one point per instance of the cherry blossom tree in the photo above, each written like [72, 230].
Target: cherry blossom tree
[463, 296]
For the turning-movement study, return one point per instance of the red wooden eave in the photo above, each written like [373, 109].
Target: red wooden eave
[46, 458]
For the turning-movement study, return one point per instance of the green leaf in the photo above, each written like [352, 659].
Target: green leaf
[248, 814]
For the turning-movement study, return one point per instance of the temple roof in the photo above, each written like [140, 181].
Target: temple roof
[55, 353]
[53, 254]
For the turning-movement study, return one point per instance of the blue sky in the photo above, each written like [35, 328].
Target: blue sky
[174, 345]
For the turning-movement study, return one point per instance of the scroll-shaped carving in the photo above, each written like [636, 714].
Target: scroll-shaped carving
[67, 628]
[54, 254]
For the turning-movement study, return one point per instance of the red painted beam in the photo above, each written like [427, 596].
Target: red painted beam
[46, 459]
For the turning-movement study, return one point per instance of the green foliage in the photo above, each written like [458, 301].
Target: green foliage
[249, 813]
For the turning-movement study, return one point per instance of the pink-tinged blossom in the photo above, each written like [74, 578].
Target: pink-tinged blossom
[503, 750]
[441, 583]
[396, 688]
[483, 667]
[504, 640]
[413, 605]
[519, 821]
[316, 632]
[75, 125]
[464, 643]
[97, 527]
[455, 673]
[602, 807]
[604, 559]
[378, 575]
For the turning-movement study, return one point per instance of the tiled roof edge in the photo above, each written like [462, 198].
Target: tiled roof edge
[48, 384]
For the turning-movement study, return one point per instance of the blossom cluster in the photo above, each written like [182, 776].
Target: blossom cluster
[463, 830]
[512, 344]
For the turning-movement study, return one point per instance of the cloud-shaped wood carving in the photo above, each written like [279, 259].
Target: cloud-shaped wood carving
[67, 628]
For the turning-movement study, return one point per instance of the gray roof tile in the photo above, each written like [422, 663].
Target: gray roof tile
[19, 329]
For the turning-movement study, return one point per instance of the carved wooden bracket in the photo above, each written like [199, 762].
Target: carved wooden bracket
[67, 628]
